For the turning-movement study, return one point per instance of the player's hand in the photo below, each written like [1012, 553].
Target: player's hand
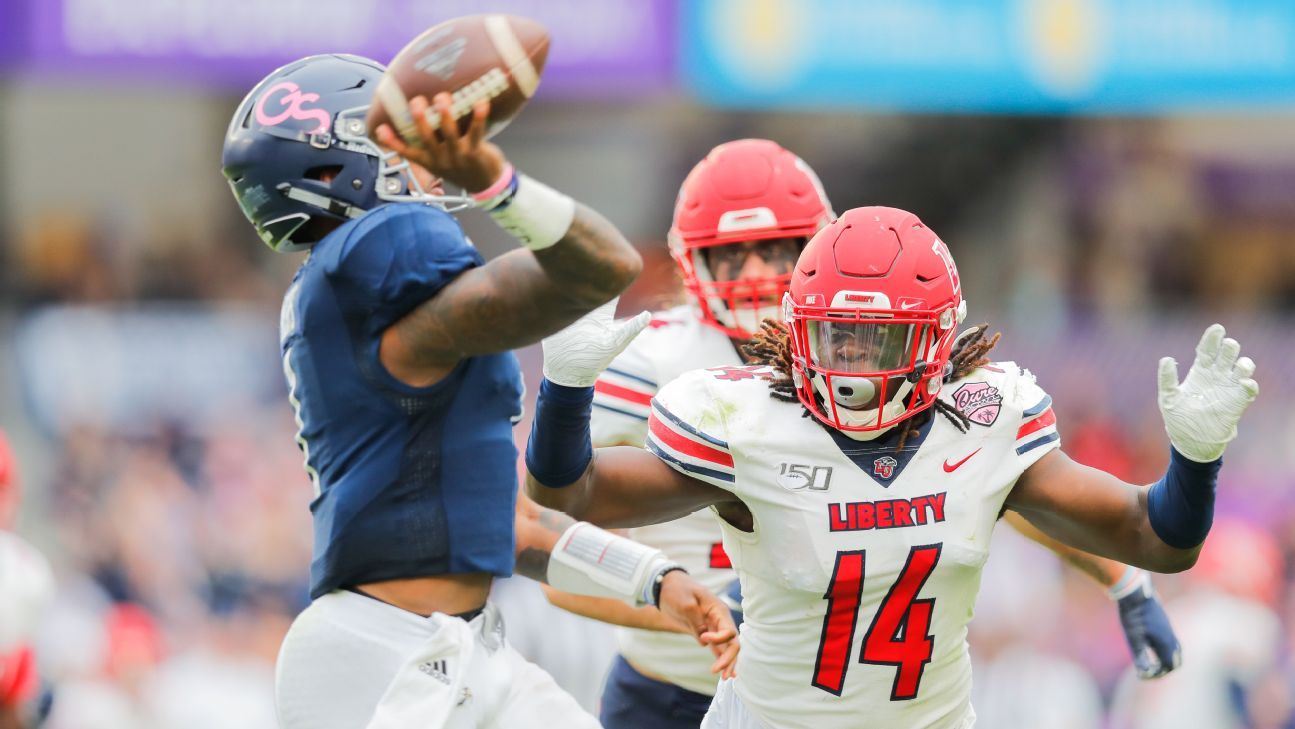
[577, 355]
[467, 160]
[684, 600]
[1201, 414]
[1150, 637]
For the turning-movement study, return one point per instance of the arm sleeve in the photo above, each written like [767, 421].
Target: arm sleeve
[1036, 429]
[397, 257]
[686, 431]
[623, 397]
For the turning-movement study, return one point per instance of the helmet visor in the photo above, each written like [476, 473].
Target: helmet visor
[853, 346]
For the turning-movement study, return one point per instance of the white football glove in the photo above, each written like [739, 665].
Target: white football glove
[1201, 414]
[577, 355]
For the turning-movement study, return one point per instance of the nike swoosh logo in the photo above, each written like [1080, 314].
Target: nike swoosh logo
[950, 468]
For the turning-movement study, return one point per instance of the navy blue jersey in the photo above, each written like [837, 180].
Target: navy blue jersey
[409, 481]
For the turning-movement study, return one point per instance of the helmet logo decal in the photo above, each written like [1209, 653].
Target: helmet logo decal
[942, 251]
[292, 107]
[979, 401]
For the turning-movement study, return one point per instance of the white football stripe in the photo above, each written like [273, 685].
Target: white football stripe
[510, 49]
[393, 100]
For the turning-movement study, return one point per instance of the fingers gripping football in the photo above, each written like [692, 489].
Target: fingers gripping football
[575, 356]
[466, 159]
[1201, 414]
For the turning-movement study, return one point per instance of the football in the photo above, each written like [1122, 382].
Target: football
[496, 57]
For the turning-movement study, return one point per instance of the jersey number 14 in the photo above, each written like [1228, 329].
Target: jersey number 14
[899, 635]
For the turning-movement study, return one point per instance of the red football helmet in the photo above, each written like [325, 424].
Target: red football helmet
[748, 190]
[874, 307]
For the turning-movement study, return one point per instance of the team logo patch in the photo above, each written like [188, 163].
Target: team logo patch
[979, 401]
[884, 467]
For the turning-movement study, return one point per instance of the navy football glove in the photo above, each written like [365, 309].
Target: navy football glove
[1150, 637]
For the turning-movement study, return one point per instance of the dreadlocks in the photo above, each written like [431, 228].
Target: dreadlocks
[771, 347]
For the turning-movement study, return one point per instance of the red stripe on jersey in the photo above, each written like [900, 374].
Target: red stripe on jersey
[1046, 418]
[719, 558]
[18, 680]
[687, 446]
[624, 393]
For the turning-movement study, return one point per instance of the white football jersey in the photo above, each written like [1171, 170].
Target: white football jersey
[26, 588]
[675, 342]
[860, 576]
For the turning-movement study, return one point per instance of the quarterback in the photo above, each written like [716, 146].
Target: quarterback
[395, 337]
[742, 217]
[858, 468]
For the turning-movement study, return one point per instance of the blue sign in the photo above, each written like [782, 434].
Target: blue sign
[1098, 56]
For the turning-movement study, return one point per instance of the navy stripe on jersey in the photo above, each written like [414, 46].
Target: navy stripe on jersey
[630, 376]
[656, 405]
[1036, 443]
[712, 473]
[1044, 404]
[618, 411]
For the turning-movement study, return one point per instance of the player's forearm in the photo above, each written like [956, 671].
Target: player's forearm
[1104, 571]
[593, 262]
[1093, 511]
[580, 558]
[1125, 536]
[584, 255]
[613, 612]
[538, 530]
[570, 499]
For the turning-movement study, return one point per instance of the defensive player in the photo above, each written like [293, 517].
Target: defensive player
[395, 339]
[26, 584]
[742, 217]
[858, 582]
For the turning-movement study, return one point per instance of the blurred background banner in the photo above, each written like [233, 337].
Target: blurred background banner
[603, 46]
[991, 55]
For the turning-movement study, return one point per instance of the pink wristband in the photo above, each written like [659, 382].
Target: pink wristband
[499, 186]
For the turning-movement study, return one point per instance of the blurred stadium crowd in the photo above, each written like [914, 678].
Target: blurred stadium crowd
[141, 386]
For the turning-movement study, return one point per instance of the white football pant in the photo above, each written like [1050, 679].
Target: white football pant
[728, 712]
[351, 661]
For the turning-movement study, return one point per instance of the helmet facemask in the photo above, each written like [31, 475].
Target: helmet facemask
[864, 370]
[738, 304]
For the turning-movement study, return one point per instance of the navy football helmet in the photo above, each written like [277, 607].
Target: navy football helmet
[297, 152]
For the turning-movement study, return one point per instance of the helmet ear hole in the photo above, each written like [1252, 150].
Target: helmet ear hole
[323, 173]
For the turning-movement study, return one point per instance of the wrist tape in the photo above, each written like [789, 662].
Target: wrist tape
[592, 561]
[532, 212]
[1130, 582]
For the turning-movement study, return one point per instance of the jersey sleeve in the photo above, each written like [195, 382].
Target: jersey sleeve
[686, 431]
[1036, 429]
[623, 397]
[397, 257]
